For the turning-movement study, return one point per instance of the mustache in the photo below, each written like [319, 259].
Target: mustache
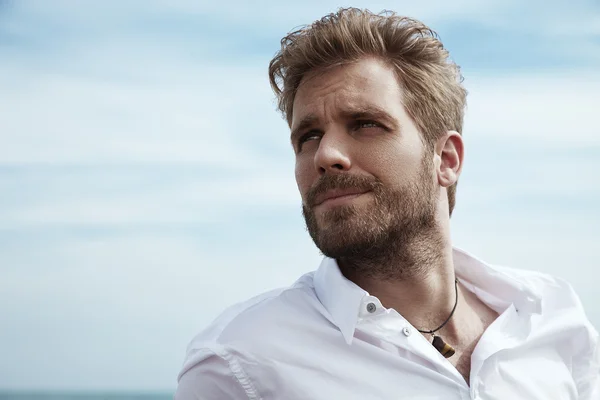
[340, 181]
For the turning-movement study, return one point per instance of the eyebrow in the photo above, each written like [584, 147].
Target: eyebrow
[354, 113]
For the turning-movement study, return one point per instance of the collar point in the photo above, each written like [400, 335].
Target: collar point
[348, 336]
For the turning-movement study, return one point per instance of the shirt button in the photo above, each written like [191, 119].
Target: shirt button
[371, 307]
[406, 331]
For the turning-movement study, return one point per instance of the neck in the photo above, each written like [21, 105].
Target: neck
[416, 278]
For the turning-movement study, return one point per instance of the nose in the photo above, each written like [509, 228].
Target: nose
[332, 155]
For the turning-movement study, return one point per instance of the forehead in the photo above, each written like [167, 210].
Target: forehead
[368, 83]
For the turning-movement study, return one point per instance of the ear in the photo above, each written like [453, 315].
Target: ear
[449, 152]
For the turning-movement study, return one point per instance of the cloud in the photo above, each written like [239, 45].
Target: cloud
[80, 197]
[268, 13]
[555, 19]
[552, 108]
[172, 122]
[117, 311]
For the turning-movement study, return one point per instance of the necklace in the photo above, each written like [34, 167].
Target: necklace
[441, 346]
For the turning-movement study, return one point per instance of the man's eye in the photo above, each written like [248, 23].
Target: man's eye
[307, 137]
[367, 124]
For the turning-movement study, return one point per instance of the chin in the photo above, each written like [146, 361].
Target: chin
[344, 233]
[337, 219]
[339, 247]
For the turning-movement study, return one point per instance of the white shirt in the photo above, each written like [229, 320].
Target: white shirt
[322, 339]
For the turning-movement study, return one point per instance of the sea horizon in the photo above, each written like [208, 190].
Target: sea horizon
[76, 394]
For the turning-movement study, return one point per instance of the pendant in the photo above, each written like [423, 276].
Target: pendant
[444, 348]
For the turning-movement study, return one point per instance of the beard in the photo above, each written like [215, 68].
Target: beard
[393, 237]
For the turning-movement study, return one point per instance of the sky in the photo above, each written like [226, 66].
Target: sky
[146, 178]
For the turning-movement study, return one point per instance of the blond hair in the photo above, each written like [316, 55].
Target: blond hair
[433, 94]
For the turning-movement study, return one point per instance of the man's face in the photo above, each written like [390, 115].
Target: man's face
[362, 169]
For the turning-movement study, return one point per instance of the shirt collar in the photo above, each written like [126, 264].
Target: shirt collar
[342, 298]
[494, 285]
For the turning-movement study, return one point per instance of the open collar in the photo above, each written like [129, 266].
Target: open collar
[342, 298]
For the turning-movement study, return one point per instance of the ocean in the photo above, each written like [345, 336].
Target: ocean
[84, 396]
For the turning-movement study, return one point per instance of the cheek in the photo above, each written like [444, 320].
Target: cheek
[304, 176]
[394, 165]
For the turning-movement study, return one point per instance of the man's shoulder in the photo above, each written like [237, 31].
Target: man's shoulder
[537, 282]
[560, 303]
[259, 323]
[255, 318]
[550, 288]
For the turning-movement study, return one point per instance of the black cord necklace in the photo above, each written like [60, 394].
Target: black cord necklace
[441, 346]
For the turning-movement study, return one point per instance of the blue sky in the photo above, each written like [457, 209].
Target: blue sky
[146, 180]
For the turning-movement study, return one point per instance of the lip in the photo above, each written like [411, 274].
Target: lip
[338, 194]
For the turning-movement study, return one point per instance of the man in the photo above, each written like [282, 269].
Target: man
[375, 109]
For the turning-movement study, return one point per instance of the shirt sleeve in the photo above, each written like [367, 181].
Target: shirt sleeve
[589, 387]
[211, 379]
[596, 368]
